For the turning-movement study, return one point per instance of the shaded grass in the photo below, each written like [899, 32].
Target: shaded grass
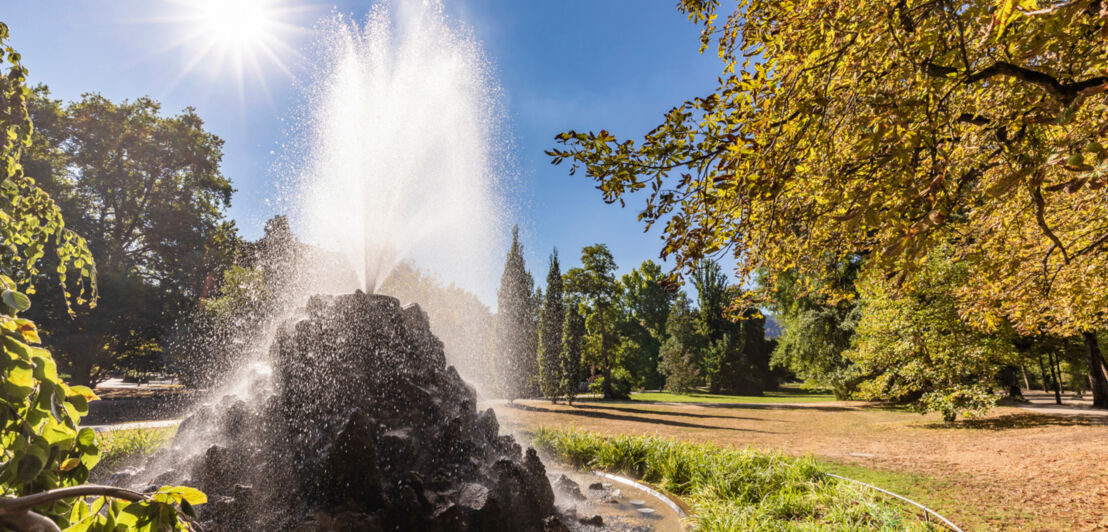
[733, 489]
[786, 395]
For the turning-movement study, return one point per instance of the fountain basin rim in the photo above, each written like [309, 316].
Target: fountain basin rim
[676, 505]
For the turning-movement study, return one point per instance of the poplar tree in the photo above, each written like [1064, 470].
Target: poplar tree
[573, 334]
[550, 333]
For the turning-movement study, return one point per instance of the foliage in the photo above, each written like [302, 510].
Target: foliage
[885, 131]
[817, 330]
[41, 445]
[125, 447]
[788, 394]
[647, 295]
[615, 385]
[597, 285]
[573, 339]
[223, 326]
[732, 489]
[914, 347]
[682, 352]
[550, 333]
[457, 317]
[147, 192]
[516, 338]
[680, 367]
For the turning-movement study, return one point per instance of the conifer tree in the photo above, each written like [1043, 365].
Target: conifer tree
[550, 333]
[573, 335]
[515, 360]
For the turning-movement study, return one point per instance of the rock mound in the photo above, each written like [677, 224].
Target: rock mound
[367, 429]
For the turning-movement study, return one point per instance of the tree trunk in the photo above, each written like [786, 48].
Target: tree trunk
[1042, 372]
[1052, 359]
[1098, 373]
[1023, 371]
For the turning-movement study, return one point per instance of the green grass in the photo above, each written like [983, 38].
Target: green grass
[785, 395]
[734, 489]
[122, 448]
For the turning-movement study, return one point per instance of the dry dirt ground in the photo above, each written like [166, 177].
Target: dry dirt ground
[1012, 470]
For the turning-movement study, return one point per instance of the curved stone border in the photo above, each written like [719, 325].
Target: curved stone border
[647, 489]
[927, 512]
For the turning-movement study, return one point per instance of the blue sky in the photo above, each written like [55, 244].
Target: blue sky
[562, 64]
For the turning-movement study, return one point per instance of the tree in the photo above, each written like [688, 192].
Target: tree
[45, 457]
[147, 192]
[573, 338]
[681, 354]
[647, 297]
[888, 130]
[595, 281]
[457, 317]
[817, 329]
[516, 362]
[551, 326]
[914, 348]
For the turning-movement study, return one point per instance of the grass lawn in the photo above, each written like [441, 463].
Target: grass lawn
[786, 394]
[1012, 470]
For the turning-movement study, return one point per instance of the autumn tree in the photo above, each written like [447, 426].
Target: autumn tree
[886, 130]
[551, 325]
[516, 338]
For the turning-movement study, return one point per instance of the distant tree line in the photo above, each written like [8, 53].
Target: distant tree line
[619, 334]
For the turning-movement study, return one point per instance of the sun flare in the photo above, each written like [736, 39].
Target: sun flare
[236, 38]
[237, 22]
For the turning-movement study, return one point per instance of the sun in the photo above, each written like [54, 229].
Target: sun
[240, 39]
[238, 23]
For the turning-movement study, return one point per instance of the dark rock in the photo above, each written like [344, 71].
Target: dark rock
[568, 487]
[368, 430]
[553, 524]
[596, 486]
[595, 520]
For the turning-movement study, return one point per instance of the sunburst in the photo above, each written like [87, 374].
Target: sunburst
[241, 39]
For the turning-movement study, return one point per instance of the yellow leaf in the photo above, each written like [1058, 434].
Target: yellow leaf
[69, 464]
[192, 495]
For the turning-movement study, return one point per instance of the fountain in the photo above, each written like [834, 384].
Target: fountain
[367, 429]
[345, 414]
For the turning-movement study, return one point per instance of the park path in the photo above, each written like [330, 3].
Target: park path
[1072, 405]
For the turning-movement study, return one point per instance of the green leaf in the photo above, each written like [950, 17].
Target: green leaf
[86, 437]
[16, 300]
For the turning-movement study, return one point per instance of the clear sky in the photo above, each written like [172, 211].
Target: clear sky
[562, 64]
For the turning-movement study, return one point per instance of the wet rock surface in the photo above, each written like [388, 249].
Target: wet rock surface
[367, 429]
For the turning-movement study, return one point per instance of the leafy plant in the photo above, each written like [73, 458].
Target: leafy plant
[45, 457]
[732, 489]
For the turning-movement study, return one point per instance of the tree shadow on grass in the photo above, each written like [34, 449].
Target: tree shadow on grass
[604, 406]
[1022, 421]
[596, 414]
[814, 407]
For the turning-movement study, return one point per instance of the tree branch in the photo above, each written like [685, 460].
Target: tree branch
[15, 512]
